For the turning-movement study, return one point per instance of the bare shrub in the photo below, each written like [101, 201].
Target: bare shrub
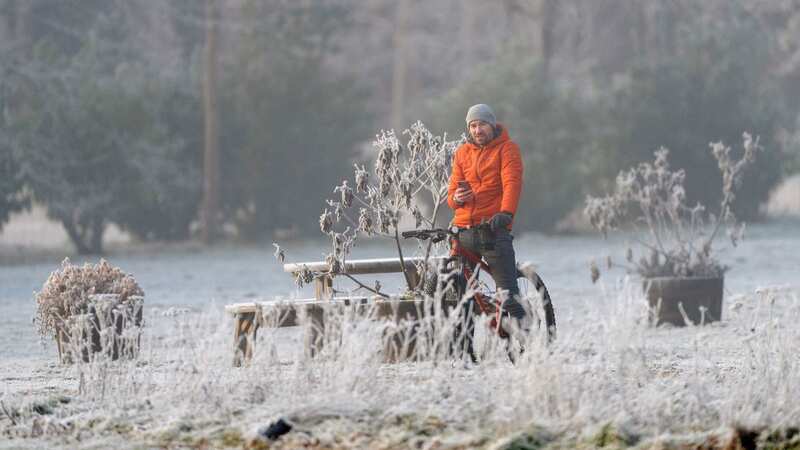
[409, 178]
[67, 292]
[675, 238]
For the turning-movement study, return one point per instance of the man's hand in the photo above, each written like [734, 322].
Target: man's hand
[463, 195]
[500, 220]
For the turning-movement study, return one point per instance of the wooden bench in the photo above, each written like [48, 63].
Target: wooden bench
[323, 285]
[249, 316]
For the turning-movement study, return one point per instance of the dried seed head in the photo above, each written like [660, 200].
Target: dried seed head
[386, 220]
[334, 264]
[418, 219]
[279, 255]
[338, 244]
[365, 221]
[386, 187]
[338, 211]
[325, 221]
[405, 188]
[303, 276]
[362, 177]
[346, 193]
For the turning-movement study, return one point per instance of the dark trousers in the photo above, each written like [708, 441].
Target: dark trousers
[498, 251]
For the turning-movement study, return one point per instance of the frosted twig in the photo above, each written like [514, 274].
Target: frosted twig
[13, 421]
[364, 286]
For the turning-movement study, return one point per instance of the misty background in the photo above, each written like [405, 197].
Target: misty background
[186, 119]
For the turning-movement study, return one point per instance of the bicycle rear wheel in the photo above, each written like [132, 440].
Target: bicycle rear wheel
[536, 299]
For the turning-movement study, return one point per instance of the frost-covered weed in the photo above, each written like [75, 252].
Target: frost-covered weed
[610, 369]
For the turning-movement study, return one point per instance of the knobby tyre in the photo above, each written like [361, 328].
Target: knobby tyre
[539, 303]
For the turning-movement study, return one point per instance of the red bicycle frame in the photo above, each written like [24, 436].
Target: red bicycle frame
[456, 249]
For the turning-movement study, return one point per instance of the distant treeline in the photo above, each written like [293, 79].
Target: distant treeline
[103, 113]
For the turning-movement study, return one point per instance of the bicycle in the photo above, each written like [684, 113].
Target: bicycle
[456, 277]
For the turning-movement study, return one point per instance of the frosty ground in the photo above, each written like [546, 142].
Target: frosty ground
[609, 379]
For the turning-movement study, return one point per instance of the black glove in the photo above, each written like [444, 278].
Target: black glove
[500, 220]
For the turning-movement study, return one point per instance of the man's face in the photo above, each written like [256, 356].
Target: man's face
[481, 132]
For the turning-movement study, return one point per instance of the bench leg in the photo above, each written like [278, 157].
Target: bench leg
[323, 287]
[314, 333]
[244, 338]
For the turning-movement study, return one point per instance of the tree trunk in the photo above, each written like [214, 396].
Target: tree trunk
[548, 18]
[76, 236]
[465, 31]
[400, 65]
[96, 236]
[209, 212]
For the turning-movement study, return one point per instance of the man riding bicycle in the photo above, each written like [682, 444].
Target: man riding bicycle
[485, 187]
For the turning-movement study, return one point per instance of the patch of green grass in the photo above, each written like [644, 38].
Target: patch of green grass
[785, 439]
[610, 437]
[231, 437]
[532, 439]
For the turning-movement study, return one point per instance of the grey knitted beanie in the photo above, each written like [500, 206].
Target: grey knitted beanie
[481, 112]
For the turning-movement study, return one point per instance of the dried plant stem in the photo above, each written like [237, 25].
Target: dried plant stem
[429, 247]
[654, 231]
[361, 200]
[3, 405]
[652, 247]
[350, 221]
[402, 261]
[677, 228]
[724, 211]
[363, 286]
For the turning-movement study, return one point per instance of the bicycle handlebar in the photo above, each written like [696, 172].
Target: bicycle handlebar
[436, 234]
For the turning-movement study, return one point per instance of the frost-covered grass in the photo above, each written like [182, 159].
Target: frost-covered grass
[609, 379]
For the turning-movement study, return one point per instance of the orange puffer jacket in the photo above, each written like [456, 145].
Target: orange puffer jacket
[495, 175]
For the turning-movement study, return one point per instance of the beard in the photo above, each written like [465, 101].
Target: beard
[485, 140]
[481, 139]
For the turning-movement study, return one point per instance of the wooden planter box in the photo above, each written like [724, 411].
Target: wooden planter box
[700, 299]
[109, 327]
